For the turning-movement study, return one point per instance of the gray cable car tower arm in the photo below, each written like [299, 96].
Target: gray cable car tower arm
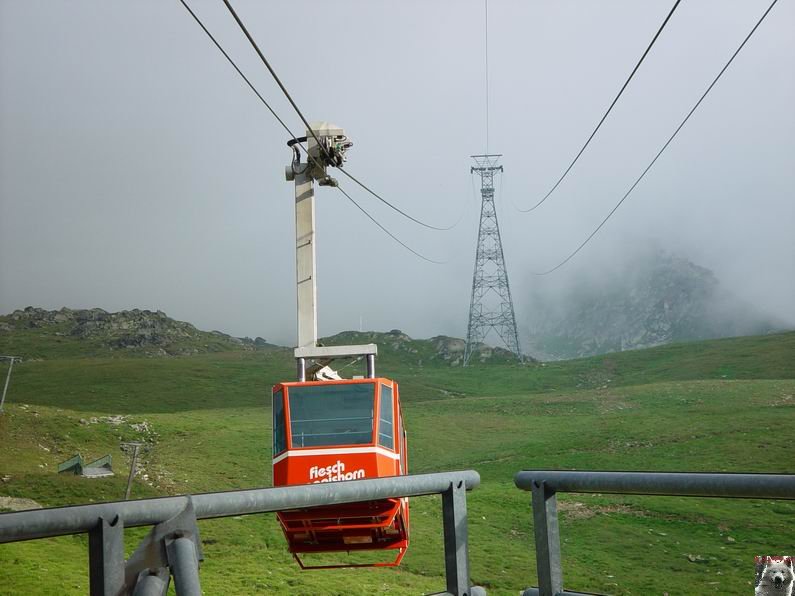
[304, 175]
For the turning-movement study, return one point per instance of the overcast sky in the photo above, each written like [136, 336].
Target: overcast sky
[138, 170]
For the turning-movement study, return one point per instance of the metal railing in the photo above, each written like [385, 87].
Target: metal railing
[545, 484]
[173, 546]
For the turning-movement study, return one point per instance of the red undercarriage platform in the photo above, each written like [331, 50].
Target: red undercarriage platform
[374, 525]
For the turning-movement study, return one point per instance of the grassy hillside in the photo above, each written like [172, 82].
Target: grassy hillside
[716, 405]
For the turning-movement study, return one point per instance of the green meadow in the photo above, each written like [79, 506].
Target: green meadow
[724, 405]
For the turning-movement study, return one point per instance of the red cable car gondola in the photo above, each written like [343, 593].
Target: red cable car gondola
[330, 431]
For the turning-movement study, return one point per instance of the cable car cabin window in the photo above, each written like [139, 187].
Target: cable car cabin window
[322, 415]
[401, 443]
[386, 435]
[279, 435]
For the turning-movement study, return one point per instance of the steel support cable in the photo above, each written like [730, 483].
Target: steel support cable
[275, 76]
[390, 234]
[309, 157]
[604, 117]
[244, 77]
[309, 128]
[668, 142]
[486, 2]
[397, 209]
[240, 72]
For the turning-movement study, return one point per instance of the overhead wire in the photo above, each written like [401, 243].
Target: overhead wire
[474, 195]
[312, 132]
[486, 2]
[274, 75]
[240, 72]
[293, 136]
[390, 234]
[604, 117]
[668, 142]
[397, 209]
[246, 79]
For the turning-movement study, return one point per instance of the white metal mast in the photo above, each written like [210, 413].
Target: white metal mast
[332, 153]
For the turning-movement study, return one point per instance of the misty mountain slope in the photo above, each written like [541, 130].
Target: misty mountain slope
[658, 298]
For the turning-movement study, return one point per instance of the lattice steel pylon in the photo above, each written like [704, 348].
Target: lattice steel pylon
[491, 306]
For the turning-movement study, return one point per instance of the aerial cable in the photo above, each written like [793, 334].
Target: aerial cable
[486, 2]
[232, 62]
[246, 79]
[668, 142]
[312, 132]
[598, 126]
[390, 234]
[474, 193]
[502, 187]
[248, 82]
[275, 77]
[297, 143]
[397, 209]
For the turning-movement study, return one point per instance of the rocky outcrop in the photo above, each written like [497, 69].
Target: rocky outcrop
[150, 332]
[95, 332]
[436, 350]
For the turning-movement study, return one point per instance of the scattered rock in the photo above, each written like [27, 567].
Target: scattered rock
[116, 420]
[18, 504]
[578, 510]
[142, 427]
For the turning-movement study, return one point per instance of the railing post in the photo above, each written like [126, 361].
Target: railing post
[300, 365]
[456, 556]
[174, 543]
[106, 557]
[370, 366]
[184, 564]
[152, 582]
[547, 538]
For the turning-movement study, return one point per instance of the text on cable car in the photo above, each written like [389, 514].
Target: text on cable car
[333, 473]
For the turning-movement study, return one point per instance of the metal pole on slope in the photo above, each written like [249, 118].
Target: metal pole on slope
[11, 360]
[136, 447]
